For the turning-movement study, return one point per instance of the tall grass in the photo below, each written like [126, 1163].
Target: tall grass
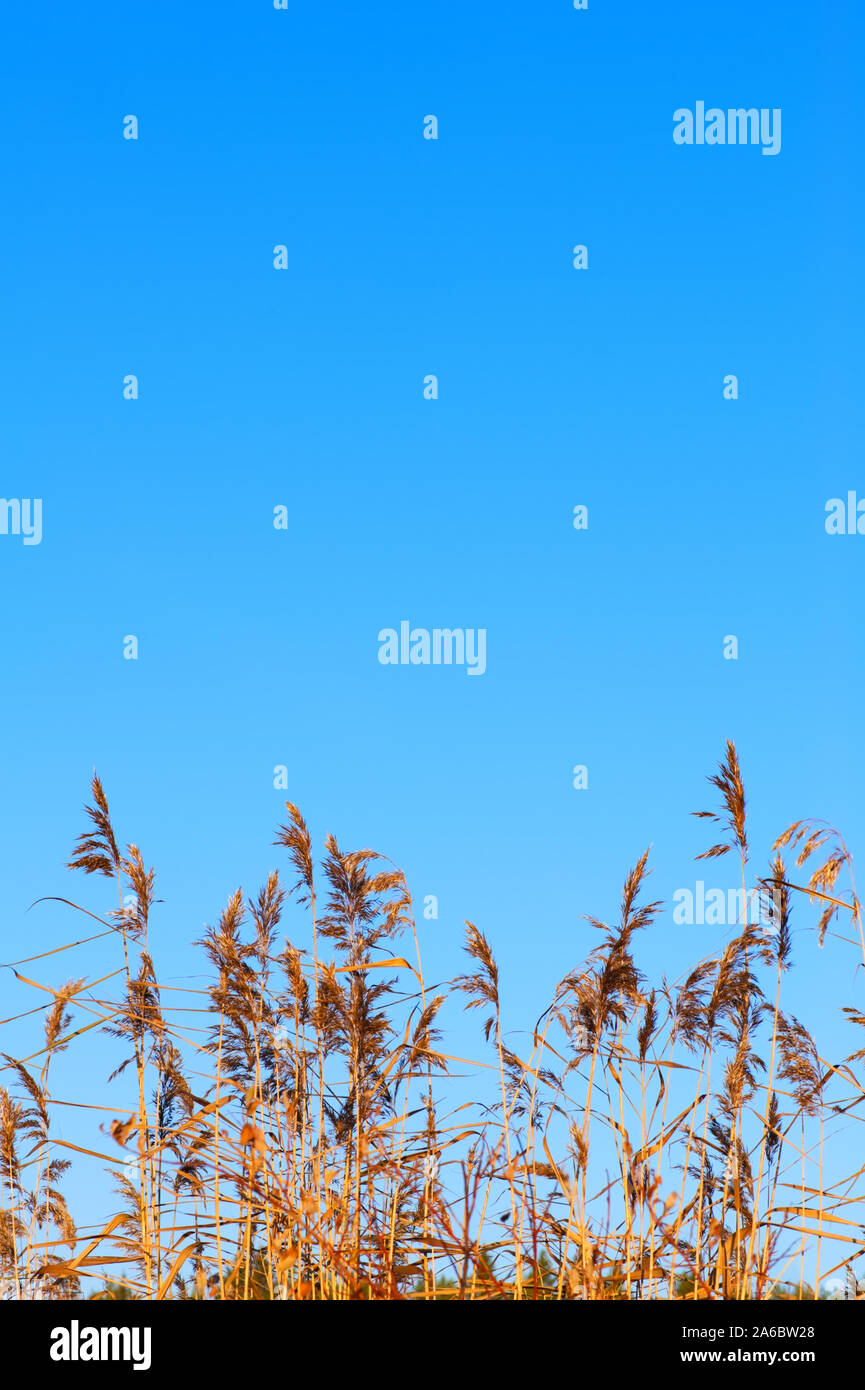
[303, 1140]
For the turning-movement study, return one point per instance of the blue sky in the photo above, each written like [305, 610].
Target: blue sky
[305, 388]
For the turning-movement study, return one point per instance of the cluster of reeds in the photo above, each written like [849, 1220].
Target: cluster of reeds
[664, 1142]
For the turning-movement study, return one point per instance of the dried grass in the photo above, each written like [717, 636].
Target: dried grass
[302, 1145]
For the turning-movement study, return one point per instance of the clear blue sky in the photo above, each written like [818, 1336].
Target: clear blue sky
[557, 387]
